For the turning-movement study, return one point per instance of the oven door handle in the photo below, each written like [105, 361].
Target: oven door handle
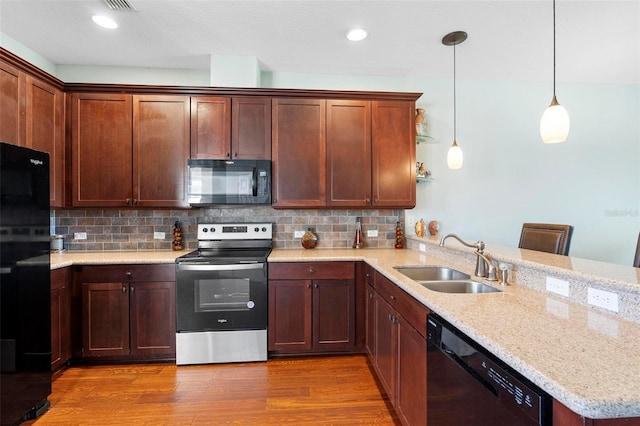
[235, 267]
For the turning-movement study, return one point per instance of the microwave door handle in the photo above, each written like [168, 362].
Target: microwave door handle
[255, 181]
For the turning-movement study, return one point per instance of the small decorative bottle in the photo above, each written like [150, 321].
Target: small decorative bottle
[177, 237]
[309, 239]
[357, 241]
[420, 228]
[399, 236]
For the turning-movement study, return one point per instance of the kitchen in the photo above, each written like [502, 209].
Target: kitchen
[446, 198]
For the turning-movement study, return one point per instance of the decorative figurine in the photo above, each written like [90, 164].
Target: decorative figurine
[434, 227]
[420, 228]
[421, 122]
[399, 236]
[177, 237]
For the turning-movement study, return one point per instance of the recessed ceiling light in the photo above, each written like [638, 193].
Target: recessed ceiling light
[104, 22]
[357, 34]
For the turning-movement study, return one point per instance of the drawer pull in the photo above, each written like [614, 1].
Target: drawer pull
[311, 270]
[393, 297]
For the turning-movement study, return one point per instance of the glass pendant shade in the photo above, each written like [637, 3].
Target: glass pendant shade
[554, 125]
[454, 156]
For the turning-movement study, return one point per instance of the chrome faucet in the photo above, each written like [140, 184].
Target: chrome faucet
[485, 267]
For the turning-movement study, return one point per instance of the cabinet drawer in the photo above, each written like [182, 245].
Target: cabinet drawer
[413, 311]
[128, 273]
[312, 270]
[387, 289]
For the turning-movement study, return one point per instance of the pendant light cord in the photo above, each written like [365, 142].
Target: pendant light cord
[554, 48]
[454, 93]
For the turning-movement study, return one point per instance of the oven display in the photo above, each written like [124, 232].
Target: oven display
[234, 229]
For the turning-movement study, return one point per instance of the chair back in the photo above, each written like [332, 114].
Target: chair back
[547, 237]
[636, 259]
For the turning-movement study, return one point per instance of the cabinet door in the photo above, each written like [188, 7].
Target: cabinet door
[45, 131]
[411, 403]
[210, 127]
[289, 315]
[160, 150]
[152, 318]
[393, 154]
[334, 320]
[105, 319]
[101, 150]
[386, 355]
[12, 104]
[371, 321]
[60, 318]
[251, 128]
[298, 153]
[349, 153]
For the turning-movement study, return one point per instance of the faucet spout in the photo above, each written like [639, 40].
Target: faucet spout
[478, 245]
[484, 266]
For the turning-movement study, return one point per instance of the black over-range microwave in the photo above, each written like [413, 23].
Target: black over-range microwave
[224, 182]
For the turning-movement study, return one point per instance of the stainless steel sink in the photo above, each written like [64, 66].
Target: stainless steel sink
[460, 286]
[432, 273]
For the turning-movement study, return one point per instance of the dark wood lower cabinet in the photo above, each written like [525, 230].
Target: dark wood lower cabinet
[313, 309]
[60, 318]
[128, 311]
[397, 347]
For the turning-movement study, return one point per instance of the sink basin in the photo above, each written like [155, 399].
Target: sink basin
[432, 273]
[459, 286]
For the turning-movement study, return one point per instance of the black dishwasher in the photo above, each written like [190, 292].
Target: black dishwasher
[466, 385]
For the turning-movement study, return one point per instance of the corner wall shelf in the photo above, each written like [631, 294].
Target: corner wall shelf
[425, 139]
[424, 179]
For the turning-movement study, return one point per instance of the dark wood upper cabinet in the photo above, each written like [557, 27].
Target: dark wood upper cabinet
[251, 128]
[102, 165]
[44, 128]
[394, 154]
[231, 128]
[160, 150]
[210, 127]
[348, 153]
[12, 104]
[129, 151]
[298, 153]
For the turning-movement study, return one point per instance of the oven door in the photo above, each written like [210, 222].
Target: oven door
[211, 297]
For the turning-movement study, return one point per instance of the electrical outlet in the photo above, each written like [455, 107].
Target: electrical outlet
[557, 286]
[372, 233]
[602, 299]
[410, 221]
[422, 247]
[298, 234]
[158, 235]
[79, 235]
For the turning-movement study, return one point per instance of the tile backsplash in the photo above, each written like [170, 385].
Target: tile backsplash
[126, 229]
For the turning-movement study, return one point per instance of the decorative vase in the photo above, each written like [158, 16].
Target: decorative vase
[421, 123]
[434, 227]
[177, 244]
[309, 239]
[357, 240]
[420, 228]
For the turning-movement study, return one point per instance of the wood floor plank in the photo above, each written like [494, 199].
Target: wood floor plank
[336, 390]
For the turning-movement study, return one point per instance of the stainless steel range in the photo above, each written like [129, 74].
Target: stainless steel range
[221, 295]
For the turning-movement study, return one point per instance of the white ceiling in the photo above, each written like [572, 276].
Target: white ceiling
[597, 41]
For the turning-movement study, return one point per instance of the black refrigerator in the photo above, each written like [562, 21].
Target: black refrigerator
[25, 294]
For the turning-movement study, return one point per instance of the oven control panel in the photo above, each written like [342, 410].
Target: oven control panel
[235, 231]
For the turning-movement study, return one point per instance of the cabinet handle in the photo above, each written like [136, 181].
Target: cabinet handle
[124, 289]
[128, 200]
[235, 154]
[135, 201]
[227, 154]
[390, 316]
[133, 289]
[308, 285]
[311, 270]
[394, 320]
[315, 286]
[128, 274]
[370, 295]
[368, 200]
[392, 297]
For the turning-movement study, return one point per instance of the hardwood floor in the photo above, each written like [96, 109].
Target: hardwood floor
[336, 390]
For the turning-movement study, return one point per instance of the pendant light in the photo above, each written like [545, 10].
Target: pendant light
[554, 125]
[454, 156]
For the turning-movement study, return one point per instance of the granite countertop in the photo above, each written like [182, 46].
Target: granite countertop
[586, 358]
